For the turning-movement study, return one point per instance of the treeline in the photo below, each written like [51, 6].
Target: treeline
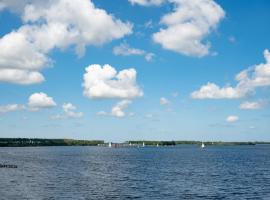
[23, 142]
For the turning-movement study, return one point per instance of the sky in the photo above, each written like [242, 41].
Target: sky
[135, 69]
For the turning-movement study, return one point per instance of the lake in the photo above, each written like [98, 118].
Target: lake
[181, 172]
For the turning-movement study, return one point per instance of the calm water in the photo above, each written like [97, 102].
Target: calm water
[184, 172]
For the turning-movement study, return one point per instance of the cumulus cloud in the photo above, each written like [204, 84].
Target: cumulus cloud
[232, 118]
[247, 105]
[36, 102]
[44, 28]
[70, 111]
[125, 50]
[19, 52]
[105, 82]
[248, 81]
[164, 101]
[23, 77]
[10, 108]
[40, 100]
[212, 91]
[188, 25]
[147, 2]
[18, 6]
[118, 110]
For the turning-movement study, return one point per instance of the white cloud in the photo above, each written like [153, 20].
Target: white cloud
[102, 113]
[125, 50]
[247, 105]
[105, 82]
[40, 100]
[18, 6]
[10, 108]
[36, 102]
[212, 91]
[23, 77]
[19, 52]
[149, 56]
[82, 23]
[118, 109]
[44, 28]
[248, 81]
[69, 112]
[188, 25]
[147, 2]
[232, 119]
[164, 101]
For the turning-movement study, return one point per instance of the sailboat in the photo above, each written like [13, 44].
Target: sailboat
[202, 146]
[143, 144]
[110, 144]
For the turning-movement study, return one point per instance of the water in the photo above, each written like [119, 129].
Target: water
[183, 172]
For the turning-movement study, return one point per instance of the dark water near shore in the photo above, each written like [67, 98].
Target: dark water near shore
[183, 172]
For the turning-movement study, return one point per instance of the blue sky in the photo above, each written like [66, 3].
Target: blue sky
[179, 64]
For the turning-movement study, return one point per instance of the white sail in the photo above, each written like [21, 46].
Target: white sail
[202, 146]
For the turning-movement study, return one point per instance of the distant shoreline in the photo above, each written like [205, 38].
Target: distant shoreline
[37, 142]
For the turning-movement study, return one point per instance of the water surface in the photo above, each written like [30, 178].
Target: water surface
[182, 172]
